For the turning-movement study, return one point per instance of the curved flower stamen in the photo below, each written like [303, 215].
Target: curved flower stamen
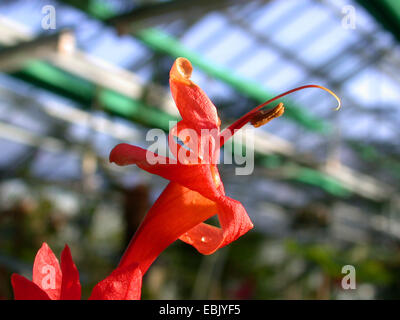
[227, 133]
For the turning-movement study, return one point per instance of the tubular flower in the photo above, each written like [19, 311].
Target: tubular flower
[54, 282]
[195, 192]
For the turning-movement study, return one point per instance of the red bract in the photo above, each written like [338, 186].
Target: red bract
[52, 282]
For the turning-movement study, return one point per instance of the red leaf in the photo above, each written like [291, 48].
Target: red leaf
[25, 289]
[71, 286]
[47, 273]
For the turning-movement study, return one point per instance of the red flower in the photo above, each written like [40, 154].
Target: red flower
[52, 282]
[195, 192]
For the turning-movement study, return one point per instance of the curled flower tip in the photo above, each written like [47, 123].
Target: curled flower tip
[264, 116]
[181, 70]
[184, 67]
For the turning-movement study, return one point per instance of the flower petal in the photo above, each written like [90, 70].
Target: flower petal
[234, 223]
[202, 178]
[190, 139]
[203, 147]
[71, 286]
[47, 273]
[176, 211]
[195, 107]
[25, 289]
[122, 284]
